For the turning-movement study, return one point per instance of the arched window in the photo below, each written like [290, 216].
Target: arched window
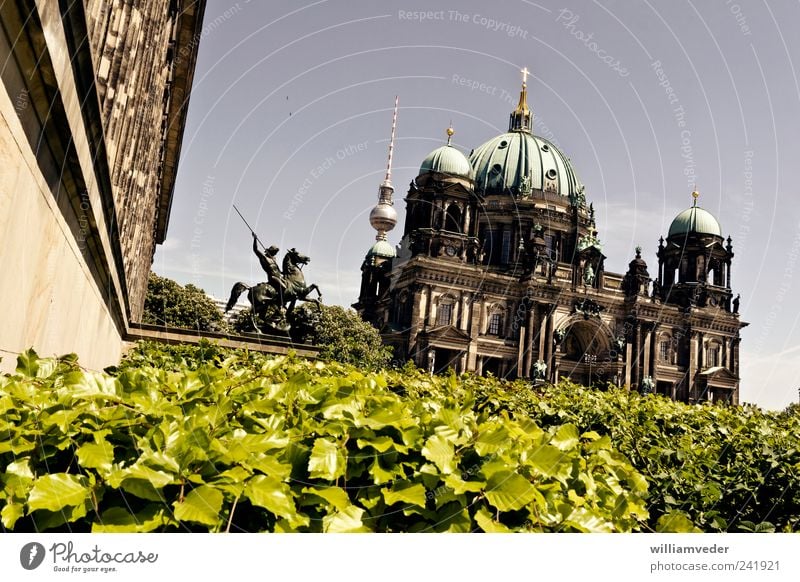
[665, 349]
[495, 324]
[452, 220]
[712, 355]
[444, 310]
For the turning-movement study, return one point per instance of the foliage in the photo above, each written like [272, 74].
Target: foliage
[342, 334]
[168, 303]
[244, 442]
[722, 468]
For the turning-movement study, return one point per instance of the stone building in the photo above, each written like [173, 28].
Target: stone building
[500, 270]
[91, 121]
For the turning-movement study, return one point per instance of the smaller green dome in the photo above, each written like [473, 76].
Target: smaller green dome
[447, 160]
[382, 249]
[695, 220]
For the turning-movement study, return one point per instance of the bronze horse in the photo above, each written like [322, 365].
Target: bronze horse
[264, 296]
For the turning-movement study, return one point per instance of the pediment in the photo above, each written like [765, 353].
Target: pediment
[447, 332]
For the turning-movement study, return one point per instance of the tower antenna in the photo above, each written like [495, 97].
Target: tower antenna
[391, 142]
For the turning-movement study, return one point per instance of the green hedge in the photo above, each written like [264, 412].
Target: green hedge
[207, 439]
[248, 443]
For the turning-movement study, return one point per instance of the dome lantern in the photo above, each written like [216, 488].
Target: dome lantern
[694, 220]
[521, 118]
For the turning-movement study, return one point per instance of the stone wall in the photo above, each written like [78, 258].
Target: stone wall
[92, 109]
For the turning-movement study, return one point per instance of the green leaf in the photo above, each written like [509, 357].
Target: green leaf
[201, 505]
[566, 437]
[327, 460]
[57, 491]
[10, 513]
[272, 495]
[675, 522]
[508, 491]
[347, 521]
[491, 437]
[28, 363]
[20, 468]
[96, 456]
[549, 461]
[484, 520]
[459, 486]
[336, 496]
[587, 521]
[120, 520]
[405, 492]
[440, 451]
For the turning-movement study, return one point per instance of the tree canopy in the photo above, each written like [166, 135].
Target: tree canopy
[343, 336]
[186, 306]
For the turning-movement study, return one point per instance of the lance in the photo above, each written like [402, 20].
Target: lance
[248, 226]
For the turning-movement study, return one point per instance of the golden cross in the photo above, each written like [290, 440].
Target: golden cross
[525, 72]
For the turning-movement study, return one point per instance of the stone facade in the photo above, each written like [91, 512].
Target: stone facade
[92, 116]
[500, 270]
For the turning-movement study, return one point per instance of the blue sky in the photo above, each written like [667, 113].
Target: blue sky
[291, 111]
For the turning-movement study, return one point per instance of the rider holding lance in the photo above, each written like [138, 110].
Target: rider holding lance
[270, 265]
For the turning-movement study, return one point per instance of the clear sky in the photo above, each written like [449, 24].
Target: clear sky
[291, 111]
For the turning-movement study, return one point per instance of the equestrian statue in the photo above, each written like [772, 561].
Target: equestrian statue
[272, 300]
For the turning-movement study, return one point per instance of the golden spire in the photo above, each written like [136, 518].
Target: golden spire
[523, 95]
[450, 132]
[695, 195]
[521, 117]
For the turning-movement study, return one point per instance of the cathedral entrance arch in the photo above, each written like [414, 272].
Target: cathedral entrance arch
[584, 353]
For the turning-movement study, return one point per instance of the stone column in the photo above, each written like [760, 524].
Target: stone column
[418, 309]
[529, 337]
[521, 352]
[464, 315]
[548, 346]
[428, 306]
[693, 365]
[636, 371]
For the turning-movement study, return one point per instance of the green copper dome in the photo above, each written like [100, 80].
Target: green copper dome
[447, 160]
[382, 249]
[519, 162]
[694, 220]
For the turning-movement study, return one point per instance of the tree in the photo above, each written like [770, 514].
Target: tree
[168, 303]
[342, 335]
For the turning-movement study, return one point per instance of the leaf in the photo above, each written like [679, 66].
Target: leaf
[10, 513]
[336, 496]
[57, 491]
[347, 521]
[587, 521]
[549, 461]
[327, 460]
[28, 363]
[508, 491]
[20, 468]
[675, 522]
[272, 495]
[484, 520]
[201, 505]
[460, 486]
[440, 451]
[491, 437]
[120, 520]
[157, 479]
[96, 456]
[566, 437]
[405, 492]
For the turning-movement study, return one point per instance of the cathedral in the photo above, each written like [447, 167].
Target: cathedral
[500, 271]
